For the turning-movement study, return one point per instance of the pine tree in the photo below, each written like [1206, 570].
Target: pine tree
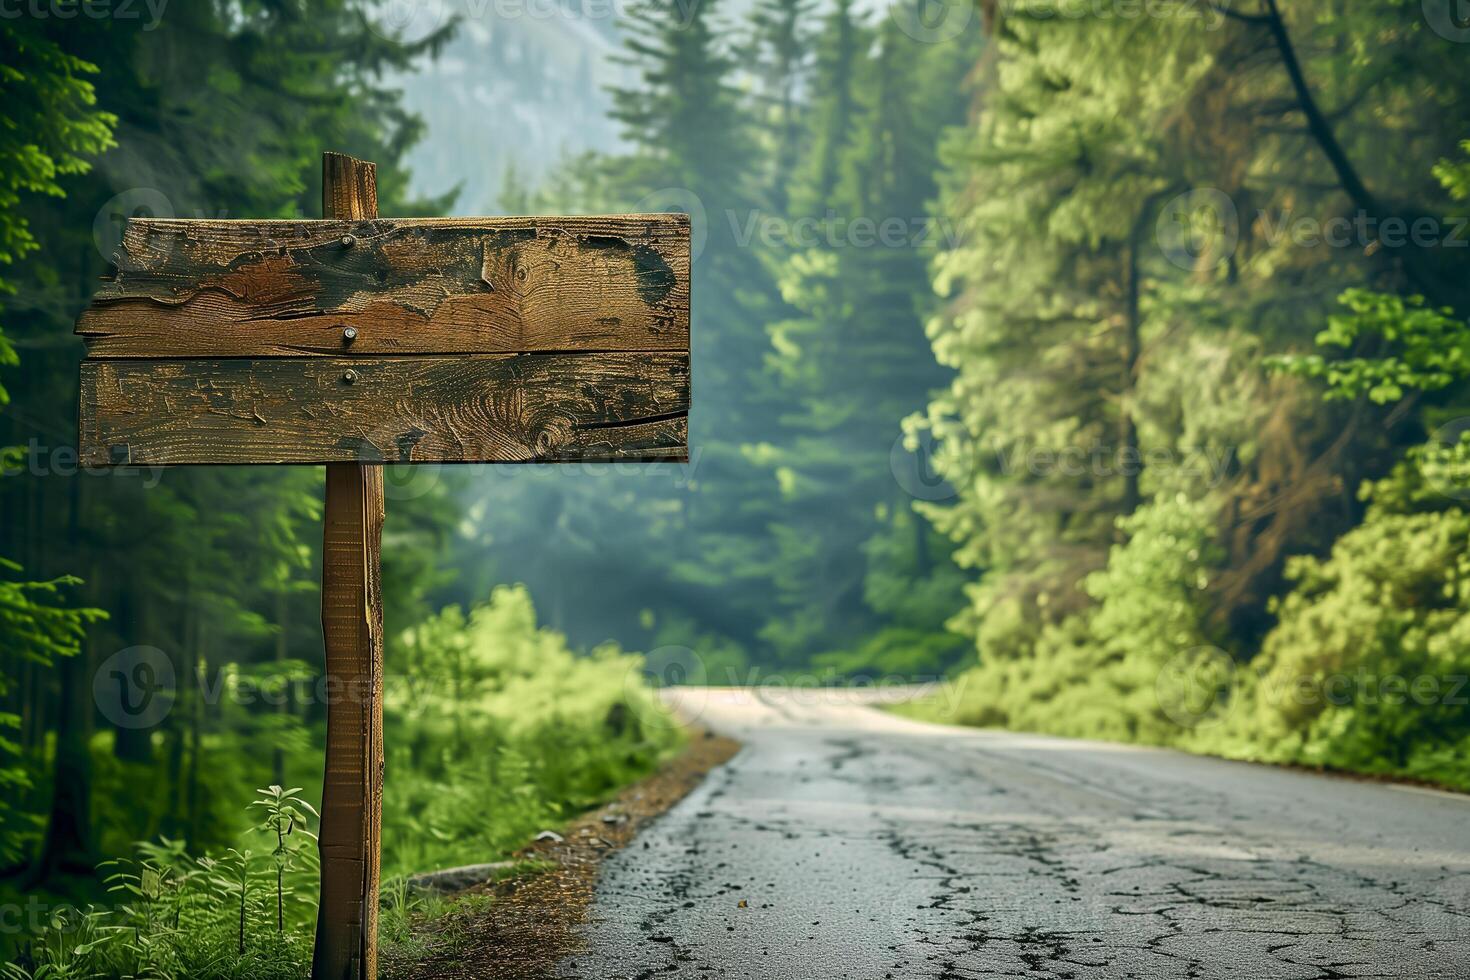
[840, 46]
[51, 130]
[861, 295]
[779, 49]
[1111, 412]
[222, 109]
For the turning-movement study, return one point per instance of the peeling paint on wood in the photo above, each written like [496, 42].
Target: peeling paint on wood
[406, 286]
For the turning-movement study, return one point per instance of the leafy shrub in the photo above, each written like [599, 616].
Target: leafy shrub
[1367, 667]
[244, 913]
[1096, 673]
[494, 729]
[495, 716]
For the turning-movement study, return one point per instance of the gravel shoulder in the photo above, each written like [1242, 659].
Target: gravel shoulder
[521, 927]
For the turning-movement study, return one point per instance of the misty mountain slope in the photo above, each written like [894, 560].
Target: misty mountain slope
[524, 91]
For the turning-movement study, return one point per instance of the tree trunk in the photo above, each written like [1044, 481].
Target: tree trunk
[198, 674]
[68, 847]
[1129, 457]
[176, 818]
[1417, 265]
[133, 743]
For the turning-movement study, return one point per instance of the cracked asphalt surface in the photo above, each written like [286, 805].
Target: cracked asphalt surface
[866, 846]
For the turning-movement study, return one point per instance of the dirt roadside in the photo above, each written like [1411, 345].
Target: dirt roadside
[531, 923]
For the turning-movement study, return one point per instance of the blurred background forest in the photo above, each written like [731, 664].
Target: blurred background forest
[1107, 360]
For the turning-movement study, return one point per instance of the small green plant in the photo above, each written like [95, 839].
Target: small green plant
[229, 878]
[153, 894]
[180, 917]
[68, 949]
[285, 819]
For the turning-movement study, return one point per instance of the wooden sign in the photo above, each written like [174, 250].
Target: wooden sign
[358, 341]
[495, 340]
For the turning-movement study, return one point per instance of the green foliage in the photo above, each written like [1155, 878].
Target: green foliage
[36, 627]
[500, 731]
[1140, 504]
[219, 109]
[1241, 610]
[284, 817]
[1084, 326]
[1366, 669]
[805, 148]
[857, 306]
[245, 912]
[49, 128]
[1455, 174]
[1137, 487]
[1429, 348]
[1095, 674]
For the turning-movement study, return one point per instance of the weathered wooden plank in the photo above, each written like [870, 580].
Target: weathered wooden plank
[403, 286]
[479, 408]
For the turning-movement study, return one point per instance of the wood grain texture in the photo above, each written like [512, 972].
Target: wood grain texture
[412, 286]
[352, 629]
[352, 788]
[499, 408]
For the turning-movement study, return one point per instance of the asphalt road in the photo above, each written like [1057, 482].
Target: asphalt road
[864, 846]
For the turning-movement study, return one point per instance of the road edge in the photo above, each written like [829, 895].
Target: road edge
[520, 928]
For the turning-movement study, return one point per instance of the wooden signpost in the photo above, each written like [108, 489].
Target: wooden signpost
[355, 341]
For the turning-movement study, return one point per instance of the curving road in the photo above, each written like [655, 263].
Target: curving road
[865, 846]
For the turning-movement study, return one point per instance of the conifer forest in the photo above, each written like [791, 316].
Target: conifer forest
[1096, 369]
